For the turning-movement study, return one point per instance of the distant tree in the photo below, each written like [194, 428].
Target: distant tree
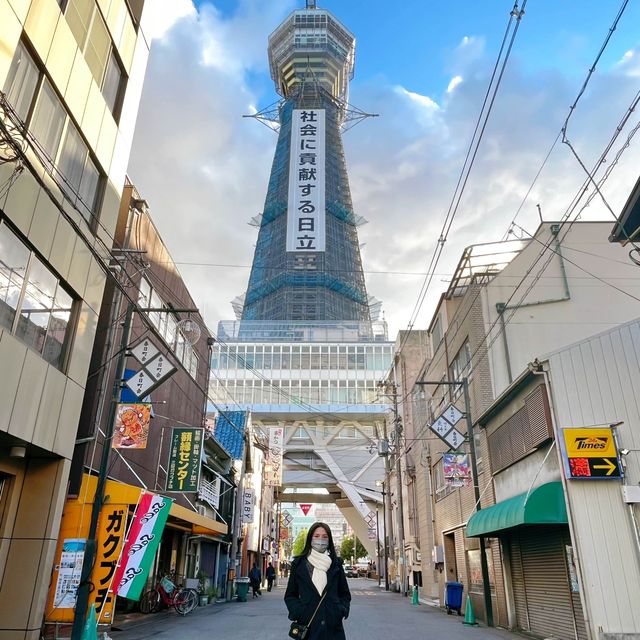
[346, 549]
[298, 545]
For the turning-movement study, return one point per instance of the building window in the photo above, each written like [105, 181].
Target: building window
[461, 367]
[92, 36]
[436, 334]
[21, 83]
[348, 432]
[34, 304]
[66, 152]
[441, 486]
[167, 327]
[48, 120]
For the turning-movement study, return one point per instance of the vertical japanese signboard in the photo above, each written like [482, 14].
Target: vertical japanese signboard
[306, 212]
[70, 557]
[273, 462]
[183, 469]
[111, 532]
[247, 505]
[141, 545]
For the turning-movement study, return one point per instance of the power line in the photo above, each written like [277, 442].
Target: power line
[472, 150]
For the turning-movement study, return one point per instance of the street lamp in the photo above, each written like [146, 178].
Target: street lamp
[464, 383]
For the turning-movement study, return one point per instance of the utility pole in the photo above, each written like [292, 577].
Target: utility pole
[237, 523]
[488, 605]
[378, 559]
[486, 587]
[386, 496]
[98, 500]
[399, 497]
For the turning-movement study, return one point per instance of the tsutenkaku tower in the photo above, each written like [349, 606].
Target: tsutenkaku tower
[307, 264]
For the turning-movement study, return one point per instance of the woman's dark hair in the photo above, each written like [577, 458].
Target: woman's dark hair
[307, 545]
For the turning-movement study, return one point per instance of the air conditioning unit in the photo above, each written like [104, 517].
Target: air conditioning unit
[202, 510]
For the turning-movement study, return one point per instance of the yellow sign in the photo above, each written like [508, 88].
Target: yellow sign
[70, 557]
[590, 443]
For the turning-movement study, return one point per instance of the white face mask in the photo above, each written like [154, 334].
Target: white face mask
[319, 544]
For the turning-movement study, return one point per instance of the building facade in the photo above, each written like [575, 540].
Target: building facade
[157, 306]
[71, 75]
[507, 303]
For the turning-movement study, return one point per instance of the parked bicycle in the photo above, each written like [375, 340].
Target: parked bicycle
[169, 594]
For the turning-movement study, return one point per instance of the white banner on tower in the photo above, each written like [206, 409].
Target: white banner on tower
[306, 212]
[273, 463]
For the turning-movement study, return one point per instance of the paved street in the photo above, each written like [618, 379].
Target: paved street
[374, 614]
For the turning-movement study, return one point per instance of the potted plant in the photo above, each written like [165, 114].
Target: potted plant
[202, 588]
[212, 592]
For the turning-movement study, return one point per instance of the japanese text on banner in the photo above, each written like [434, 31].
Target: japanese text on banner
[306, 211]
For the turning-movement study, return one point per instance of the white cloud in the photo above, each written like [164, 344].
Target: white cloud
[162, 15]
[204, 169]
[455, 81]
[630, 63]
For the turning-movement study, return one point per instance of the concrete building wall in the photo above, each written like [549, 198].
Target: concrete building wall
[571, 297]
[40, 402]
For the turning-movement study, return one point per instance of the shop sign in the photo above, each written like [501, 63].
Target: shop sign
[590, 454]
[247, 505]
[70, 556]
[273, 462]
[111, 532]
[456, 469]
[131, 429]
[183, 468]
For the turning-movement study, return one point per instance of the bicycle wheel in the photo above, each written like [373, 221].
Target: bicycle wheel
[150, 601]
[185, 601]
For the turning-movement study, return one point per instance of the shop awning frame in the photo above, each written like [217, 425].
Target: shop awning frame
[543, 505]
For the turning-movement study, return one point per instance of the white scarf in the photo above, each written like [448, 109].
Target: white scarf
[320, 563]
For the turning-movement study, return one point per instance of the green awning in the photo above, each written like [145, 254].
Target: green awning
[545, 505]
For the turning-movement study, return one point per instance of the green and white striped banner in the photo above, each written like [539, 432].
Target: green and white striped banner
[141, 545]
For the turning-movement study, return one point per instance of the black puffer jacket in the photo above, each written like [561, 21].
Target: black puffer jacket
[302, 598]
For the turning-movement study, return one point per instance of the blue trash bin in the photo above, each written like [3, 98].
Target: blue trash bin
[453, 597]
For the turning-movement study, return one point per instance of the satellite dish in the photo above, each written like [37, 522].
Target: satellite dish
[190, 330]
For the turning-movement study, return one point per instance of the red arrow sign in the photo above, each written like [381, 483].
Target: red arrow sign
[305, 508]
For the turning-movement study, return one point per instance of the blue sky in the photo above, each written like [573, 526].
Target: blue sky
[209, 66]
[410, 43]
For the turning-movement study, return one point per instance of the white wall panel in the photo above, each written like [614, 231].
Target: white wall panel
[597, 382]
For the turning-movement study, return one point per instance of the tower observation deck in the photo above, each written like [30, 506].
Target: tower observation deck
[307, 264]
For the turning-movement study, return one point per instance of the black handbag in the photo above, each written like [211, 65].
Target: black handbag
[301, 631]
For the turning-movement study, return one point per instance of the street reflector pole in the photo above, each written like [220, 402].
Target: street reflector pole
[84, 590]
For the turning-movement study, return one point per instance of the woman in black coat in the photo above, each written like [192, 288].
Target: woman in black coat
[316, 571]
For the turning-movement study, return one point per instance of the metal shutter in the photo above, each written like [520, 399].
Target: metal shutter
[517, 582]
[207, 558]
[549, 602]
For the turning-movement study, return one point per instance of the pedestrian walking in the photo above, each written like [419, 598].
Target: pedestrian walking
[317, 595]
[255, 578]
[271, 576]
